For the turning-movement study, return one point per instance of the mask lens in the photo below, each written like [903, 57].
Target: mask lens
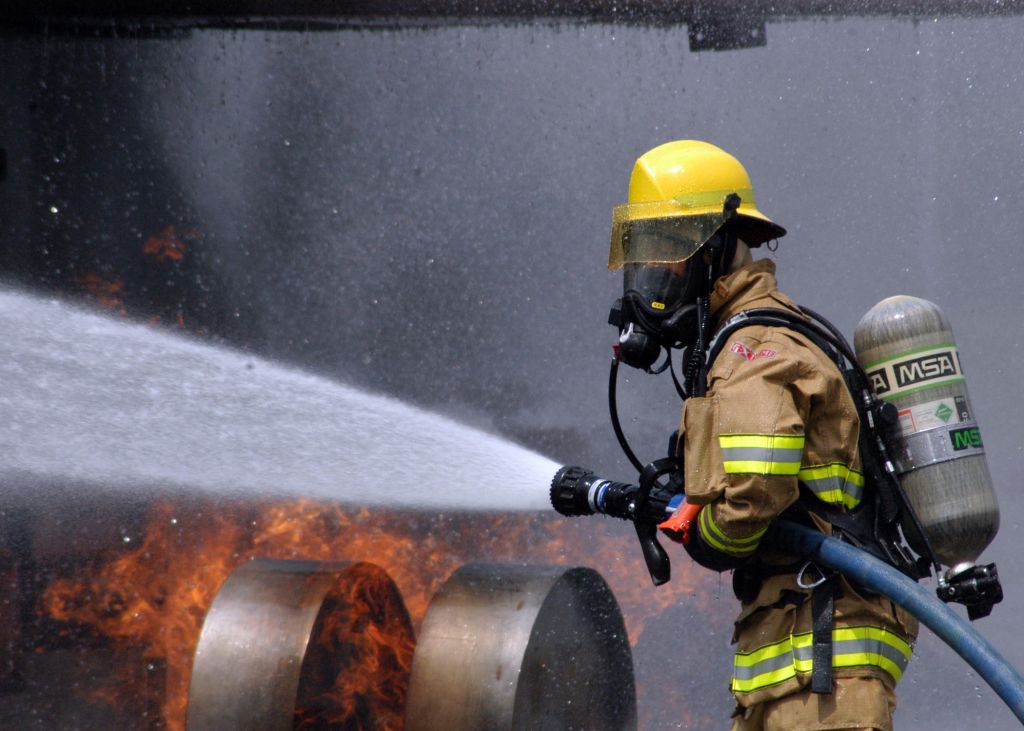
[660, 286]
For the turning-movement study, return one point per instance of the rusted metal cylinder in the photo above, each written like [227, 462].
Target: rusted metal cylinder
[509, 647]
[301, 644]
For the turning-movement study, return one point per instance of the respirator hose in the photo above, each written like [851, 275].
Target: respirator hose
[613, 410]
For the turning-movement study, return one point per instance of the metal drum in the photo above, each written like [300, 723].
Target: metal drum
[301, 644]
[523, 648]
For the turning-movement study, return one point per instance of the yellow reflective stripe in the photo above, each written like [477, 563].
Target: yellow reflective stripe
[749, 659]
[765, 441]
[711, 197]
[852, 659]
[871, 646]
[764, 680]
[707, 201]
[717, 539]
[760, 467]
[852, 647]
[841, 634]
[761, 454]
[821, 472]
[764, 667]
[834, 483]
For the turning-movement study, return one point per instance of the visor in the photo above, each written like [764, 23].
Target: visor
[664, 240]
[673, 230]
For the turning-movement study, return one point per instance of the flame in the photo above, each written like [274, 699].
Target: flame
[168, 245]
[154, 597]
[356, 672]
[108, 292]
[148, 598]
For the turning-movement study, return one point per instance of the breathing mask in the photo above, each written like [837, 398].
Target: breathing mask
[668, 265]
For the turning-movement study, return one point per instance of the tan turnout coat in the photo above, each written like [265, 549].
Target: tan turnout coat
[778, 413]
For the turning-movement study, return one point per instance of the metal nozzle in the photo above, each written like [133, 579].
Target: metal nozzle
[578, 491]
[976, 587]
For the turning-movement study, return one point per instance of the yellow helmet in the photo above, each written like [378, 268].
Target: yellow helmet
[679, 196]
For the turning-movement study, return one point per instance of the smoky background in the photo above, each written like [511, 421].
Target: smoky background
[424, 212]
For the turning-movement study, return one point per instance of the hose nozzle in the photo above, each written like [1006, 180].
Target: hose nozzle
[578, 491]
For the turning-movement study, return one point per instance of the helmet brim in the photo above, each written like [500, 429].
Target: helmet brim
[755, 228]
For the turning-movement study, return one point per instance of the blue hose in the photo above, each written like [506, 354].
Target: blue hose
[879, 577]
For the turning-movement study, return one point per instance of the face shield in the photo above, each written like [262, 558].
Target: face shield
[664, 272]
[659, 246]
[659, 233]
[657, 255]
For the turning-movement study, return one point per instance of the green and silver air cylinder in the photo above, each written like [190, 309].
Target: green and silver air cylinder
[906, 346]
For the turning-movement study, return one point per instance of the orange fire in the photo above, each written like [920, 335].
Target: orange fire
[108, 292]
[167, 245]
[153, 598]
[356, 672]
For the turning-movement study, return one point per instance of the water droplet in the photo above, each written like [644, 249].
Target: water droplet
[53, 209]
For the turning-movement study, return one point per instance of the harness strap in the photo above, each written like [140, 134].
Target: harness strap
[823, 602]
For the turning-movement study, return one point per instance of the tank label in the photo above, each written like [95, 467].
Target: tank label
[916, 371]
[935, 446]
[934, 414]
[967, 438]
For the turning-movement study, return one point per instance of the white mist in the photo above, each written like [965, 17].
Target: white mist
[92, 399]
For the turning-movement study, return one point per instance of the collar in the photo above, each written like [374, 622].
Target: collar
[751, 286]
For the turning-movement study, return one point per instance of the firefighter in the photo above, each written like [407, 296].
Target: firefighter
[769, 427]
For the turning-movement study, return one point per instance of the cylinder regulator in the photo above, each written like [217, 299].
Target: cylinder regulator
[906, 346]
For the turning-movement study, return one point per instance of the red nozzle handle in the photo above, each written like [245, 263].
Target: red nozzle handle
[681, 522]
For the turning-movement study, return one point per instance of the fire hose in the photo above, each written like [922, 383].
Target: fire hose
[879, 577]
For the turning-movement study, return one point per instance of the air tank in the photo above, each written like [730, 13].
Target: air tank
[906, 346]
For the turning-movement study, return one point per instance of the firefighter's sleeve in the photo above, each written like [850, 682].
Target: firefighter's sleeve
[743, 445]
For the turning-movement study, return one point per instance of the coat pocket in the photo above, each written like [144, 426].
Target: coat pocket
[702, 457]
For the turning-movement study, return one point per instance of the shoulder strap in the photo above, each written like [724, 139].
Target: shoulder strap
[874, 525]
[774, 317]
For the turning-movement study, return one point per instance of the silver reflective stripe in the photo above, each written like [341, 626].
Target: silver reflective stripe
[834, 484]
[867, 645]
[765, 666]
[717, 539]
[761, 454]
[851, 647]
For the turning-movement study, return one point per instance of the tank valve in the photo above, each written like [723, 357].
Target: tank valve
[976, 587]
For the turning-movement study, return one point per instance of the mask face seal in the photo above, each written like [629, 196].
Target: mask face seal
[657, 309]
[669, 257]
